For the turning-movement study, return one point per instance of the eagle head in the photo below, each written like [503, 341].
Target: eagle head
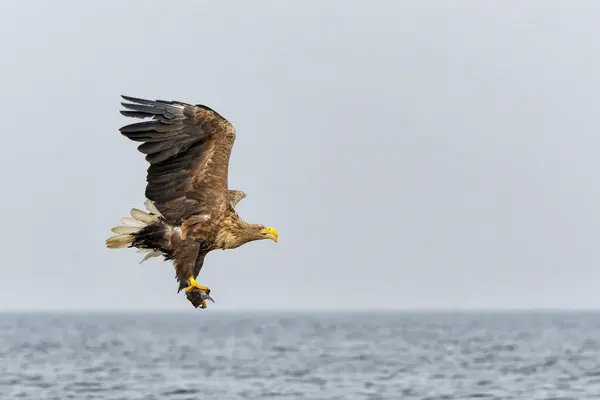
[235, 235]
[264, 232]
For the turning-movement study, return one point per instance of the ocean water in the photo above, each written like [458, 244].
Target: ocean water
[219, 355]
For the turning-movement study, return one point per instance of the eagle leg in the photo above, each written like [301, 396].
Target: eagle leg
[193, 284]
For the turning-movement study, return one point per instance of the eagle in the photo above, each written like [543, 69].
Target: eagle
[191, 210]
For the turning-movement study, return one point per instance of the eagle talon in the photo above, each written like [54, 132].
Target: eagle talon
[193, 284]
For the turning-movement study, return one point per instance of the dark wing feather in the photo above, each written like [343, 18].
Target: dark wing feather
[188, 148]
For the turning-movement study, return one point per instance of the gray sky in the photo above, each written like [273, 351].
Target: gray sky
[411, 154]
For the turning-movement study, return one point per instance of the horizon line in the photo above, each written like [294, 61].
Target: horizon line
[303, 311]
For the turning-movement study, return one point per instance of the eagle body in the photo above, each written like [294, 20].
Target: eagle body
[191, 210]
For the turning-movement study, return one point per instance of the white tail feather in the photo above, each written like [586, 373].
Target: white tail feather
[151, 253]
[132, 222]
[126, 233]
[152, 208]
[142, 216]
[125, 230]
[119, 241]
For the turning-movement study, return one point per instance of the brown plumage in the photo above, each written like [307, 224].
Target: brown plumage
[191, 209]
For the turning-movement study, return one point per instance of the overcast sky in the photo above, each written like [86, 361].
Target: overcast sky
[410, 154]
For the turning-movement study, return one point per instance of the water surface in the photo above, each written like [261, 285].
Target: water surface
[219, 355]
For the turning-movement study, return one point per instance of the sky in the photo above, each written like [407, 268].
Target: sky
[412, 155]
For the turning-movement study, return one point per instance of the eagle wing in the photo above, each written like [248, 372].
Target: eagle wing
[188, 148]
[235, 196]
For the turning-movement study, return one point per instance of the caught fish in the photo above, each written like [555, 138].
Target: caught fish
[198, 297]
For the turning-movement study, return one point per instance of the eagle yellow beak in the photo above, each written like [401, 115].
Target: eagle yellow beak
[270, 233]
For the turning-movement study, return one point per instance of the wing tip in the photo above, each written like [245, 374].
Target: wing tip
[140, 100]
[135, 99]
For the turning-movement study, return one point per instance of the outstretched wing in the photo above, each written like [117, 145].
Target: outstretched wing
[188, 148]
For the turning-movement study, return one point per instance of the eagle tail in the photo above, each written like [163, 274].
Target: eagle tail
[144, 230]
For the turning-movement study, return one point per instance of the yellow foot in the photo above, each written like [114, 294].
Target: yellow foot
[193, 284]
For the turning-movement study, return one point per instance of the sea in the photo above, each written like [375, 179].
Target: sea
[305, 355]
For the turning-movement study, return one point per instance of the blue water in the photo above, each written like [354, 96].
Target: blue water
[219, 355]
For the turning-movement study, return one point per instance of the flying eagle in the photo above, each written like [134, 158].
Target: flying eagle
[191, 209]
